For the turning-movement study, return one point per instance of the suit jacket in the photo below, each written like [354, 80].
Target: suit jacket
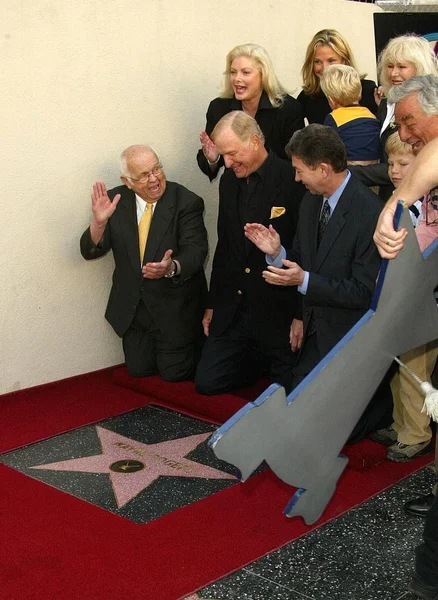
[343, 270]
[277, 124]
[238, 264]
[176, 304]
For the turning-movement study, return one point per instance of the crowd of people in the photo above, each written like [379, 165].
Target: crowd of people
[300, 196]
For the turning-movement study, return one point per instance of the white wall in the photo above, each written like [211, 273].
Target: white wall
[81, 80]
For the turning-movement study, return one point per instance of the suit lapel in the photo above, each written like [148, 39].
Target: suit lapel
[127, 213]
[315, 203]
[162, 217]
[335, 224]
[260, 212]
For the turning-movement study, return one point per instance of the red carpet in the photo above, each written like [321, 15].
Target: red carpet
[57, 546]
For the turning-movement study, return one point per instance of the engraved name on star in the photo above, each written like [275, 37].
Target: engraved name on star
[133, 466]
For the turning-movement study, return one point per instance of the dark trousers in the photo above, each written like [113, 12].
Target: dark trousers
[146, 352]
[426, 564]
[239, 357]
[308, 358]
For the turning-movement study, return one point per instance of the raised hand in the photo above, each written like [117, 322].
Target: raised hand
[379, 94]
[266, 239]
[209, 149]
[101, 205]
[156, 270]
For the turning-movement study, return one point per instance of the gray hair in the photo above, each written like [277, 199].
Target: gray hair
[131, 151]
[241, 124]
[426, 88]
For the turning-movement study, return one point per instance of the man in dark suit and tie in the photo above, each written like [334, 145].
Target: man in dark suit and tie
[156, 231]
[333, 261]
[248, 321]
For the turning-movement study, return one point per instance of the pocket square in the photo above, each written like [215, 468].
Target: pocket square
[277, 211]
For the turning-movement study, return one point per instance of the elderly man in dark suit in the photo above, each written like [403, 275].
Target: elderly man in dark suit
[333, 261]
[248, 321]
[156, 231]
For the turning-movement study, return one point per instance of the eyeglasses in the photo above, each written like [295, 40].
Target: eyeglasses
[433, 200]
[146, 176]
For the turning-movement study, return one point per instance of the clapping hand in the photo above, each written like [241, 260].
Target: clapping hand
[266, 239]
[209, 149]
[290, 274]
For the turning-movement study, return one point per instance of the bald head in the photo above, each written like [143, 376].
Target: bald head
[241, 142]
[132, 155]
[241, 124]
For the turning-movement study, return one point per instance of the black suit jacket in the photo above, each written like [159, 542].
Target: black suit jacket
[176, 304]
[238, 264]
[277, 124]
[343, 270]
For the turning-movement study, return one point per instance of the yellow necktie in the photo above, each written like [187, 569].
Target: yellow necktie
[143, 230]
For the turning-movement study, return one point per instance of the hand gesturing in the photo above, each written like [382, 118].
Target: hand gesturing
[101, 205]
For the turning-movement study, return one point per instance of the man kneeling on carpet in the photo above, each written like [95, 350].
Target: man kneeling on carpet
[156, 231]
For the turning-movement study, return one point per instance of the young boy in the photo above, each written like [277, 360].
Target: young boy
[357, 127]
[400, 158]
[410, 434]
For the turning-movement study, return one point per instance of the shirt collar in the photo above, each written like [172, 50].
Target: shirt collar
[334, 198]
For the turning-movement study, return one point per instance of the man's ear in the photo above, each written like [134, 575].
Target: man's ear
[325, 169]
[255, 141]
[125, 180]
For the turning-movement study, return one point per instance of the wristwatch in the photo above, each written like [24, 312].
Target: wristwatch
[173, 271]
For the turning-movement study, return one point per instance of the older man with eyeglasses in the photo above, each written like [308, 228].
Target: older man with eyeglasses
[156, 231]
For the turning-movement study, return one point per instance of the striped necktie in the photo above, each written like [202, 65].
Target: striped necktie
[323, 219]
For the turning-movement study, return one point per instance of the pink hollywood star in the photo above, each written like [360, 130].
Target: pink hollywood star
[133, 466]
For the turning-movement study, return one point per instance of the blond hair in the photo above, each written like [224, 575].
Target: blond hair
[241, 124]
[325, 37]
[342, 84]
[270, 82]
[394, 145]
[406, 48]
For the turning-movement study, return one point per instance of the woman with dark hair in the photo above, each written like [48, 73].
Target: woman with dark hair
[251, 85]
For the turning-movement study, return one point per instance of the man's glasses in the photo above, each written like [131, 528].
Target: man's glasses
[146, 176]
[433, 201]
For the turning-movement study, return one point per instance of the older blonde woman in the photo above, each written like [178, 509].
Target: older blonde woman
[402, 58]
[327, 48]
[251, 85]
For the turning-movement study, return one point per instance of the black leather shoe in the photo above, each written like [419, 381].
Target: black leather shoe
[419, 506]
[421, 590]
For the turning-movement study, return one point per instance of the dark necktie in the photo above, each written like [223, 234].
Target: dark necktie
[323, 219]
